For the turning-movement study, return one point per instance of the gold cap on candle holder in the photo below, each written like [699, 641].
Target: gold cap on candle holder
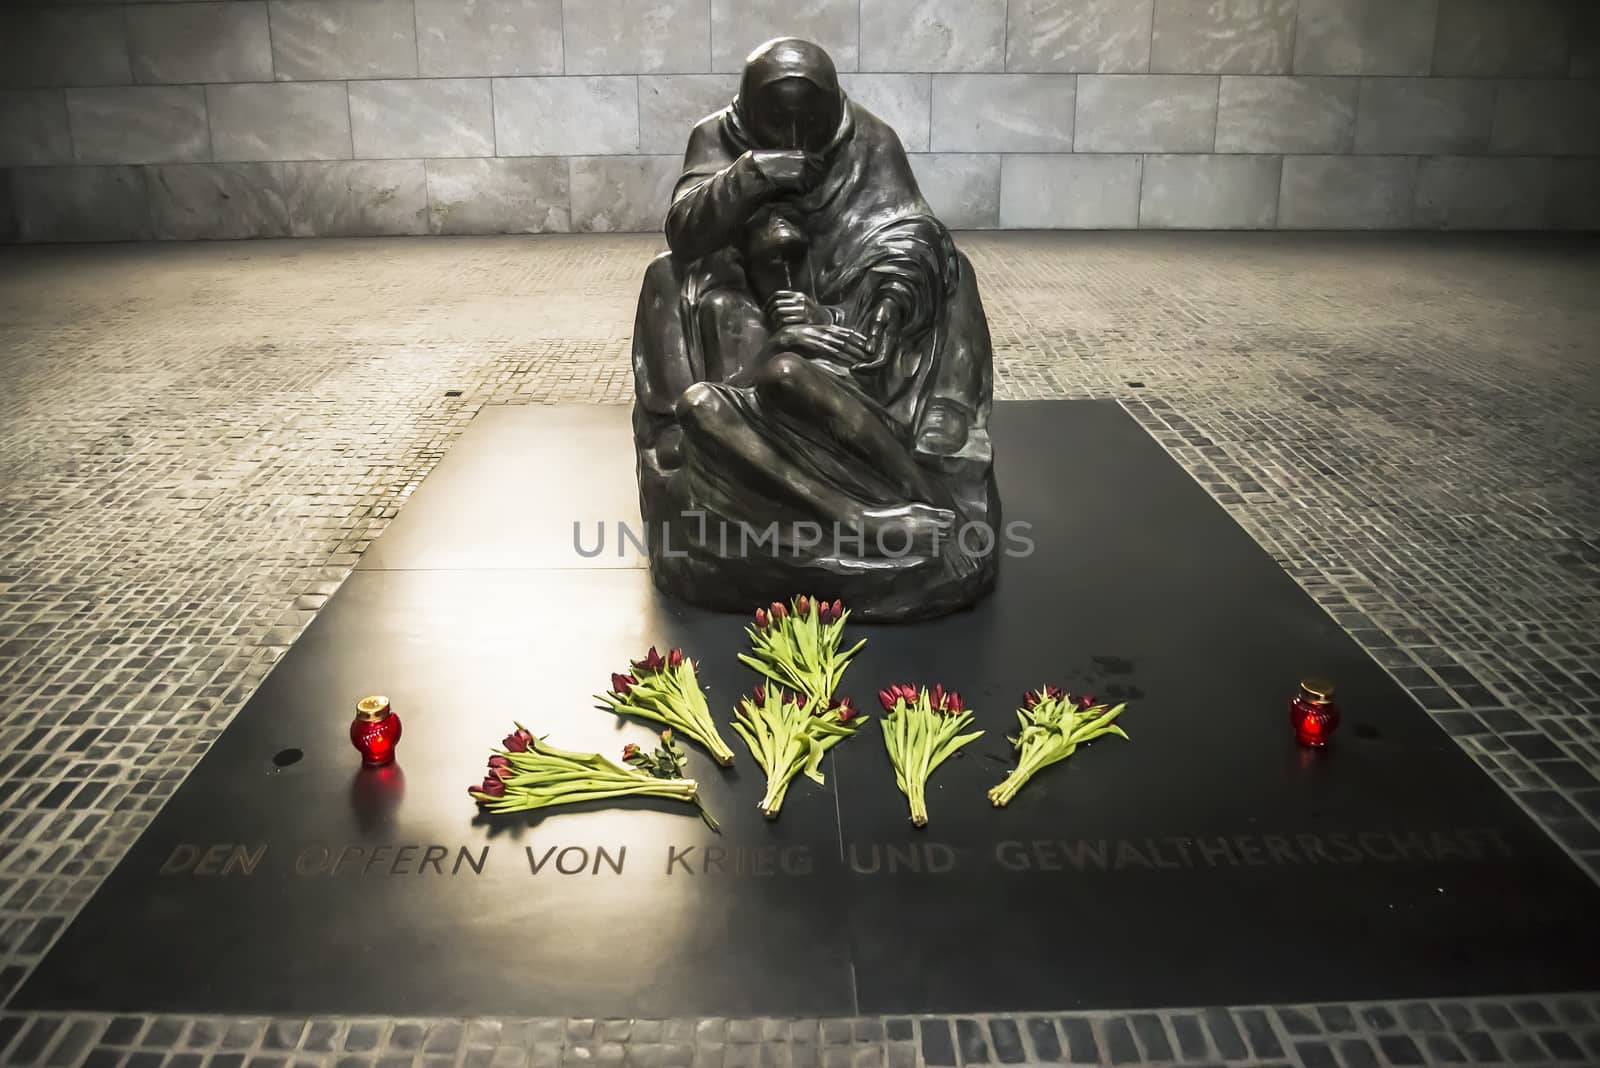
[372, 708]
[1320, 690]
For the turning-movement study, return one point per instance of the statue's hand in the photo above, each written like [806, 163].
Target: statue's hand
[786, 171]
[883, 335]
[837, 343]
[787, 307]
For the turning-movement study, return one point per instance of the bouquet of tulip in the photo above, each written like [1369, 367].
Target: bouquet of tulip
[786, 735]
[921, 730]
[1054, 724]
[667, 690]
[799, 649]
[526, 774]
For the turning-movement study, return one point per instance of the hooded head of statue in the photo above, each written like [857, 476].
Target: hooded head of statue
[789, 96]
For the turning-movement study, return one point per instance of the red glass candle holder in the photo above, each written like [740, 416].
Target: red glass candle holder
[375, 731]
[1313, 714]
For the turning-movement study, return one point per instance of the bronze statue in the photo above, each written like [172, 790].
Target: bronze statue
[812, 367]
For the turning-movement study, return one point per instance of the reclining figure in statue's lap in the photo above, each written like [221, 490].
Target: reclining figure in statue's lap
[812, 352]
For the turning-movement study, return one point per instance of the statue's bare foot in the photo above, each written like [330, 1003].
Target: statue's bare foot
[911, 529]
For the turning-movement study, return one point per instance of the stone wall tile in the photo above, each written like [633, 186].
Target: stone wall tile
[1365, 37]
[1222, 36]
[738, 26]
[1271, 114]
[1209, 192]
[313, 39]
[196, 201]
[499, 196]
[566, 116]
[70, 47]
[1079, 36]
[1146, 113]
[200, 42]
[1071, 192]
[933, 35]
[10, 231]
[671, 104]
[622, 194]
[488, 37]
[1475, 193]
[421, 117]
[963, 189]
[355, 198]
[629, 37]
[139, 124]
[1489, 38]
[279, 121]
[1423, 115]
[1347, 192]
[1585, 40]
[1002, 112]
[80, 204]
[1537, 118]
[1574, 194]
[33, 127]
[904, 101]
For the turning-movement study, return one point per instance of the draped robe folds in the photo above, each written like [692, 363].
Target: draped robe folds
[869, 234]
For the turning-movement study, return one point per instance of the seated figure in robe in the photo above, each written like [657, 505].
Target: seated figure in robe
[812, 365]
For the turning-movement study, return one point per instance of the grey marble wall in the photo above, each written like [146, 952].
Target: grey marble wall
[244, 118]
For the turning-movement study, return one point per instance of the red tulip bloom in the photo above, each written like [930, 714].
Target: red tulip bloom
[936, 697]
[517, 742]
[675, 658]
[838, 608]
[760, 694]
[1086, 701]
[824, 612]
[652, 661]
[499, 761]
[761, 618]
[900, 691]
[779, 611]
[802, 605]
[1044, 693]
[952, 702]
[846, 710]
[491, 786]
[622, 685]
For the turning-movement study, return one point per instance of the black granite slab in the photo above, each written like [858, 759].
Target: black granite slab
[1209, 860]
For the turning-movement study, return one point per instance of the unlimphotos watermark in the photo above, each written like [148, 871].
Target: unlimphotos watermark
[893, 539]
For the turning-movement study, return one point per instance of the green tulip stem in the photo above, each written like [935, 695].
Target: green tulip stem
[787, 736]
[1052, 730]
[543, 776]
[918, 739]
[674, 698]
[800, 652]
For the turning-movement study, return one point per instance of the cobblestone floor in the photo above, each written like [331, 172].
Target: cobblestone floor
[197, 442]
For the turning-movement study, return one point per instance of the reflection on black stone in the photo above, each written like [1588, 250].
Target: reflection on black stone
[375, 795]
[1113, 665]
